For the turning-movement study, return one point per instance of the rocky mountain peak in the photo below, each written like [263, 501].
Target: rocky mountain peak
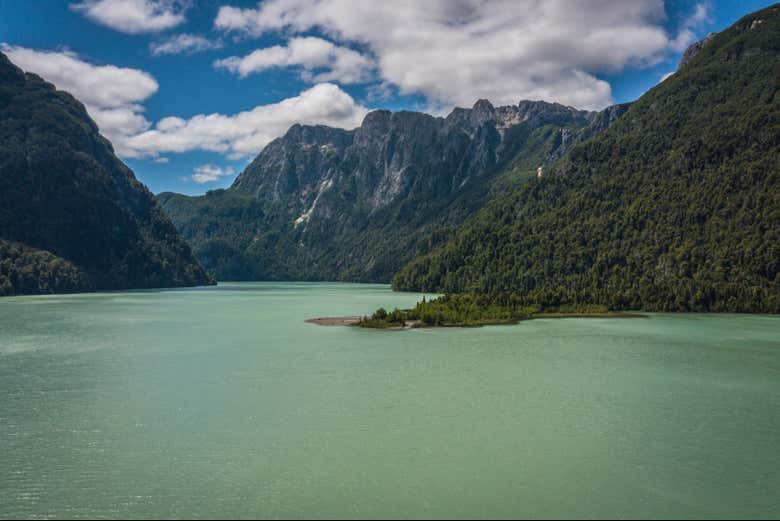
[316, 135]
[482, 112]
[694, 49]
[376, 119]
[400, 175]
[389, 151]
[542, 111]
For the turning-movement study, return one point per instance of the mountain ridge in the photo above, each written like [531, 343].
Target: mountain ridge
[334, 204]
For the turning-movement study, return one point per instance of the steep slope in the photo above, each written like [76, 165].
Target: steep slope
[72, 215]
[675, 207]
[329, 204]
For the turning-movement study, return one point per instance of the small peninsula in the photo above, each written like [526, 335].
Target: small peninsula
[471, 310]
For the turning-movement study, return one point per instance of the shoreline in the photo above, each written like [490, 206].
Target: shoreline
[416, 324]
[334, 321]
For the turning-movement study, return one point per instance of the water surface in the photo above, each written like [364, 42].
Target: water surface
[221, 402]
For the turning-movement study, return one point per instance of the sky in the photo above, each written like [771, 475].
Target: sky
[190, 91]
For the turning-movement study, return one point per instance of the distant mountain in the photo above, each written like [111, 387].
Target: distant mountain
[322, 203]
[674, 207]
[72, 216]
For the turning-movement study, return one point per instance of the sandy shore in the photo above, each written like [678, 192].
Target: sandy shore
[334, 321]
[351, 321]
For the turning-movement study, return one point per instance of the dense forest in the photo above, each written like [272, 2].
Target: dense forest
[72, 215]
[674, 207]
[328, 204]
[25, 270]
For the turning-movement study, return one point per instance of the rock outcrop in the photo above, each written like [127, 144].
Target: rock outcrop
[694, 49]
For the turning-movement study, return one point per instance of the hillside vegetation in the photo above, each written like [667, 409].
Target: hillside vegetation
[675, 207]
[63, 191]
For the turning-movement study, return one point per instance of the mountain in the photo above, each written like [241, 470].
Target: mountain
[72, 215]
[323, 203]
[674, 207]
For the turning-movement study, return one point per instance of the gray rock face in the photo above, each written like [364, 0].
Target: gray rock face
[359, 203]
[392, 154]
[694, 49]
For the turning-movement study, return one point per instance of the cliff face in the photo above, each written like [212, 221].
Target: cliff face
[66, 201]
[327, 204]
[694, 49]
[394, 154]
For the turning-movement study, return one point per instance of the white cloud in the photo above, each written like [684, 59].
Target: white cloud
[184, 44]
[112, 95]
[379, 92]
[209, 173]
[104, 86]
[456, 51]
[135, 16]
[699, 16]
[666, 76]
[683, 39]
[687, 35]
[246, 133]
[320, 60]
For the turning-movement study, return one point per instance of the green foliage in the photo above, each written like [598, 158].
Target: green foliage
[224, 227]
[473, 310]
[676, 207]
[64, 191]
[26, 270]
[381, 319]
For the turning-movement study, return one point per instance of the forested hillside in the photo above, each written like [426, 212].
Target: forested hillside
[674, 207]
[72, 215]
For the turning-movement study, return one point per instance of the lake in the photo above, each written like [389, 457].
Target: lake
[223, 403]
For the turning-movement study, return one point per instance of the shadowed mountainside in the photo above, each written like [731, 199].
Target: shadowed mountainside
[72, 215]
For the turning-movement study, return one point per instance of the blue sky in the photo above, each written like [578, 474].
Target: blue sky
[189, 91]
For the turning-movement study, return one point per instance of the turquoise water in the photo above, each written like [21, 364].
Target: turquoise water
[221, 402]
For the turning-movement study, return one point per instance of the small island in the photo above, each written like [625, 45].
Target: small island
[472, 310]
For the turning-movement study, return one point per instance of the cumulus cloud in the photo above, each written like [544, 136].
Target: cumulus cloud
[699, 16]
[246, 133]
[112, 95]
[687, 33]
[104, 86]
[184, 44]
[456, 51]
[208, 173]
[134, 16]
[320, 61]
